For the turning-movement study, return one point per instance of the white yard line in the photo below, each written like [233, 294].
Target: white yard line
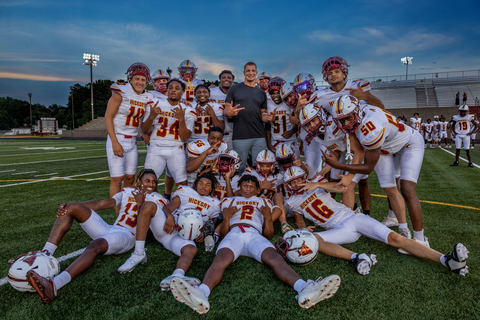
[15, 164]
[47, 174]
[98, 178]
[28, 182]
[34, 154]
[453, 154]
[9, 170]
[14, 174]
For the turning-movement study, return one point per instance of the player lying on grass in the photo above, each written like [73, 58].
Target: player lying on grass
[343, 225]
[246, 228]
[107, 239]
[162, 223]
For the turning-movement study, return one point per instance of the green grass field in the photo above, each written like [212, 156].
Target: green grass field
[38, 175]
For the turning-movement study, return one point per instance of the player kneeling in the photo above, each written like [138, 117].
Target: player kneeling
[247, 226]
[107, 239]
[345, 226]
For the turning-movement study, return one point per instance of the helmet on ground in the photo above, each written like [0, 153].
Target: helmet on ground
[228, 159]
[138, 68]
[291, 174]
[187, 66]
[332, 64]
[190, 224]
[344, 107]
[298, 246]
[266, 157]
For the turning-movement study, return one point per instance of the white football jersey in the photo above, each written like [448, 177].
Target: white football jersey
[249, 213]
[127, 216]
[326, 96]
[131, 110]
[195, 149]
[218, 95]
[281, 122]
[158, 95]
[190, 89]
[319, 207]
[416, 123]
[443, 126]
[221, 189]
[303, 133]
[435, 126]
[267, 193]
[464, 124]
[333, 138]
[380, 129]
[166, 126]
[191, 199]
[428, 127]
[203, 122]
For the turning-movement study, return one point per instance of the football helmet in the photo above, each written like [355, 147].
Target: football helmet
[160, 74]
[264, 75]
[275, 84]
[463, 108]
[308, 114]
[228, 159]
[138, 68]
[332, 64]
[291, 174]
[286, 91]
[187, 66]
[43, 263]
[304, 83]
[268, 157]
[284, 155]
[344, 107]
[190, 224]
[298, 246]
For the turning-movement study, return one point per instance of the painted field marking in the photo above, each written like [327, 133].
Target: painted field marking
[47, 174]
[9, 170]
[15, 164]
[14, 174]
[432, 202]
[453, 154]
[34, 154]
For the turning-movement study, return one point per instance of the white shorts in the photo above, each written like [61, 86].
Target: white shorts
[443, 134]
[128, 164]
[462, 138]
[358, 177]
[119, 239]
[410, 159]
[350, 230]
[428, 136]
[172, 157]
[172, 242]
[249, 243]
[473, 137]
[313, 157]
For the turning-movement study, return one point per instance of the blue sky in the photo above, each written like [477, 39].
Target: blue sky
[42, 42]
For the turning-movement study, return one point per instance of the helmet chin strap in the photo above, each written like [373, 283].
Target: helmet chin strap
[349, 155]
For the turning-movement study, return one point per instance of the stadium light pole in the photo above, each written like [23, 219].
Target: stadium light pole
[406, 61]
[30, 96]
[91, 60]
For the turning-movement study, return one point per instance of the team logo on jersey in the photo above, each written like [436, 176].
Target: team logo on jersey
[30, 260]
[304, 250]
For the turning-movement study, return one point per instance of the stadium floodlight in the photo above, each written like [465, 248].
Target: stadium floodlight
[91, 60]
[406, 61]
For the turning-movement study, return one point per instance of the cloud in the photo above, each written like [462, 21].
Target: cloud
[326, 36]
[23, 76]
[212, 68]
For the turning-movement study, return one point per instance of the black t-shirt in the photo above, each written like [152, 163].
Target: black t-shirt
[248, 123]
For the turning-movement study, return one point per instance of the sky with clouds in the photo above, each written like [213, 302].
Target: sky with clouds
[43, 41]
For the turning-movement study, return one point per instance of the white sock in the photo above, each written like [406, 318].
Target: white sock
[419, 235]
[391, 214]
[140, 247]
[178, 272]
[205, 289]
[50, 247]
[299, 285]
[403, 226]
[443, 260]
[62, 279]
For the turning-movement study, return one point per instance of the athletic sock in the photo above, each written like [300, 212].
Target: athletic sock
[167, 196]
[205, 289]
[62, 279]
[391, 214]
[140, 247]
[355, 206]
[403, 226]
[366, 212]
[443, 260]
[299, 285]
[419, 235]
[178, 272]
[50, 247]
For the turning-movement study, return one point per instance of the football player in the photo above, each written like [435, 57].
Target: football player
[107, 239]
[159, 81]
[262, 81]
[436, 130]
[208, 113]
[125, 110]
[313, 201]
[443, 131]
[428, 132]
[172, 123]
[382, 137]
[227, 167]
[416, 122]
[246, 228]
[203, 153]
[463, 127]
[473, 136]
[219, 94]
[188, 72]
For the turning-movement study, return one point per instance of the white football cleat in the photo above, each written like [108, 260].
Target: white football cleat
[191, 296]
[318, 290]
[405, 232]
[456, 260]
[425, 243]
[132, 262]
[390, 222]
[363, 263]
[165, 284]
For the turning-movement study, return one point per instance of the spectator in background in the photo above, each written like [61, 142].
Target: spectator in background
[464, 98]
[457, 99]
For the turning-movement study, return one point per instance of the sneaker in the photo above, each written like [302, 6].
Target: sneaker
[165, 284]
[425, 243]
[286, 227]
[456, 260]
[363, 262]
[390, 222]
[455, 164]
[134, 260]
[318, 290]
[470, 165]
[405, 232]
[189, 295]
[44, 286]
